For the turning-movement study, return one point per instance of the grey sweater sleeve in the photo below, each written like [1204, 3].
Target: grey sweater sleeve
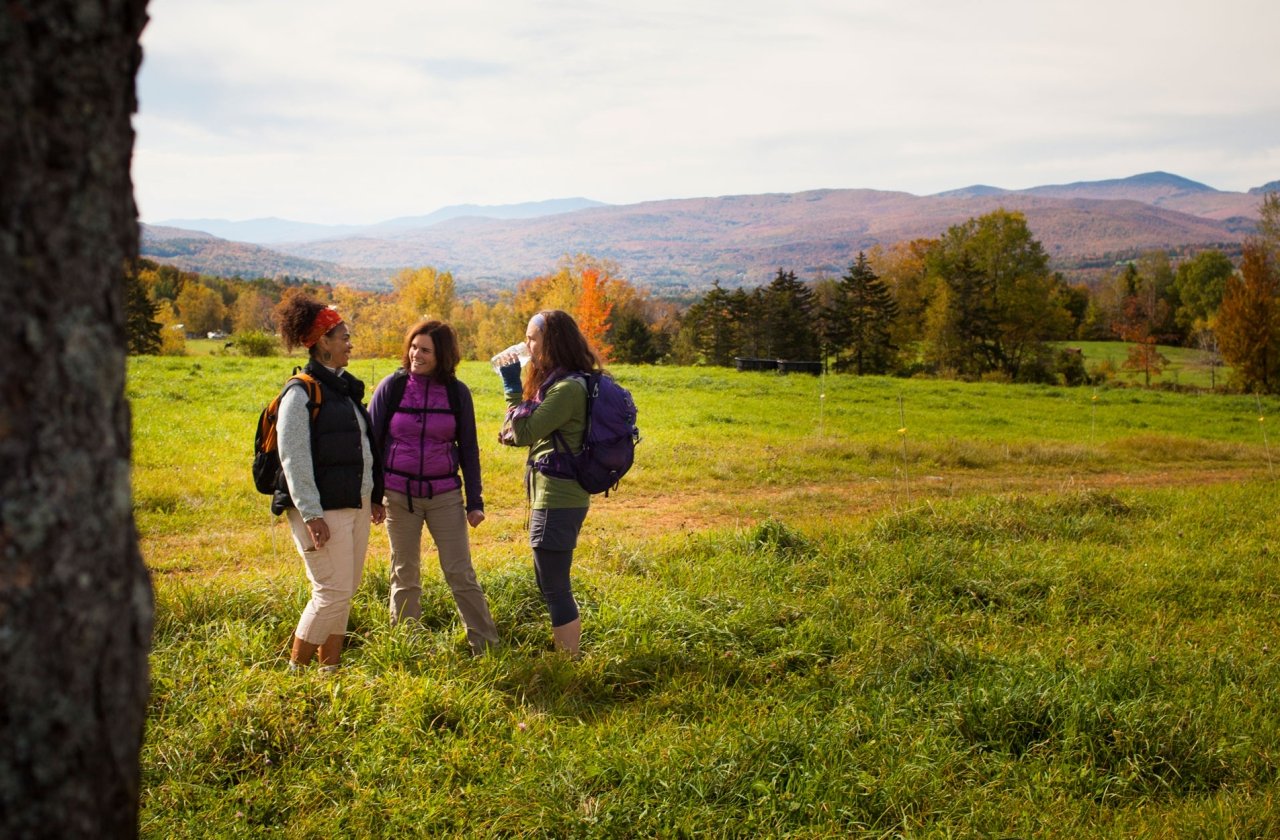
[293, 433]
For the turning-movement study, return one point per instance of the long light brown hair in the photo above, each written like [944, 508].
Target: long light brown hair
[563, 348]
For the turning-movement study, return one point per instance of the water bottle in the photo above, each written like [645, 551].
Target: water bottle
[516, 351]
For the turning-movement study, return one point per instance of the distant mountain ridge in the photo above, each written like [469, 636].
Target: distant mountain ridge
[682, 245]
[205, 253]
[271, 230]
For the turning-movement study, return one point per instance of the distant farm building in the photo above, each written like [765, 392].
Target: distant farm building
[779, 365]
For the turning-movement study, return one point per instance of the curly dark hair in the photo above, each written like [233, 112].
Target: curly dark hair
[446, 346]
[295, 315]
[564, 347]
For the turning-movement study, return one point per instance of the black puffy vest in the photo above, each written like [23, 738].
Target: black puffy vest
[336, 453]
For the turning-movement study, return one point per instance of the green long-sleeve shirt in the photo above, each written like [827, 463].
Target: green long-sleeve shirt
[565, 410]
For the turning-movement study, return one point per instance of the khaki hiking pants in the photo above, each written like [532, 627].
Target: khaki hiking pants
[334, 571]
[446, 520]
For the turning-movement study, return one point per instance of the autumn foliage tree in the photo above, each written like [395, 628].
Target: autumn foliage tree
[1144, 357]
[1135, 327]
[1248, 325]
[588, 288]
[425, 292]
[592, 312]
[201, 308]
[904, 269]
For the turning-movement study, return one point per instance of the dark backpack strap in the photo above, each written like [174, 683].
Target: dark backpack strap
[565, 467]
[451, 391]
[395, 393]
[592, 383]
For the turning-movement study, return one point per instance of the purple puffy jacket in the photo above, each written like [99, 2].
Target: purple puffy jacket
[426, 443]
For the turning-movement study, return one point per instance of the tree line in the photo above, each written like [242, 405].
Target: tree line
[981, 302]
[978, 302]
[165, 305]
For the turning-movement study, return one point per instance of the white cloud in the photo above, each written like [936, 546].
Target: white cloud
[314, 111]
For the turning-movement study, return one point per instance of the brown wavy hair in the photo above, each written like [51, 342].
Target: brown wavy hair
[445, 340]
[295, 315]
[563, 347]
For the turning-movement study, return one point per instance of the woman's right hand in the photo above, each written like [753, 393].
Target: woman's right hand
[319, 530]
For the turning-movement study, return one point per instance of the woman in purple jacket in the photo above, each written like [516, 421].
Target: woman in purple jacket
[425, 426]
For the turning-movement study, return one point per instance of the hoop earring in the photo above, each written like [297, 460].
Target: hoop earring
[324, 357]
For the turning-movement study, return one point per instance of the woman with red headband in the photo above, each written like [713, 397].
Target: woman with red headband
[332, 483]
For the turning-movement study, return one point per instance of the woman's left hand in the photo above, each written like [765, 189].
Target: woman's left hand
[378, 515]
[475, 517]
[510, 374]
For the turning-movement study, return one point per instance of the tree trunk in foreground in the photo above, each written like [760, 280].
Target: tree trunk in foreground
[75, 598]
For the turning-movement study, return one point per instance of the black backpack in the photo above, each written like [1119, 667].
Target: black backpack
[266, 453]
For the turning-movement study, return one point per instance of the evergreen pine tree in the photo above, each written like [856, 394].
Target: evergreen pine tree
[788, 319]
[142, 330]
[864, 313]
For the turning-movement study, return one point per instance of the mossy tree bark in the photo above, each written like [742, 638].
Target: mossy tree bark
[75, 597]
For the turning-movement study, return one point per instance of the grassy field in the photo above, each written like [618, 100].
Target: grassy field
[1186, 367]
[816, 608]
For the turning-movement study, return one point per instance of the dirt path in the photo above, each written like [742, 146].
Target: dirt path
[633, 514]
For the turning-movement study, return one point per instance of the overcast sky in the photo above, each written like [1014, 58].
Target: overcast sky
[340, 112]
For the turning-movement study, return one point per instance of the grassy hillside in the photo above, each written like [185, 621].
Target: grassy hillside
[840, 607]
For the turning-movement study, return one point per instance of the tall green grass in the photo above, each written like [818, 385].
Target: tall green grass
[1057, 625]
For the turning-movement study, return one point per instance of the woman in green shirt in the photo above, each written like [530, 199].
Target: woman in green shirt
[548, 414]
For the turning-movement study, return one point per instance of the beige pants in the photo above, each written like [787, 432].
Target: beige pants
[446, 520]
[334, 571]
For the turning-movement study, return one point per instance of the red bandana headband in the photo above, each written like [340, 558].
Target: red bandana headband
[325, 321]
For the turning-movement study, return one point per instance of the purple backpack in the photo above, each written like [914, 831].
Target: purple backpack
[608, 442]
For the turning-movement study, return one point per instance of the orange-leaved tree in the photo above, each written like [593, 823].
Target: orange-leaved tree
[1248, 322]
[587, 288]
[1135, 327]
[592, 313]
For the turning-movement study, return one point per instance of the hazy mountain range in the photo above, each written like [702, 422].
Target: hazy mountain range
[683, 245]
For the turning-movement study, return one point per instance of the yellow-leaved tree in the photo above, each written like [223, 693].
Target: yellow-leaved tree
[425, 293]
[201, 308]
[377, 324]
